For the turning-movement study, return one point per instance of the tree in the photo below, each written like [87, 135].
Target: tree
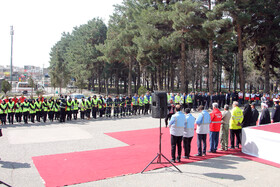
[31, 83]
[6, 86]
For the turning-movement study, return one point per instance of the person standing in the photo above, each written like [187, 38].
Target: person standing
[117, 103]
[228, 98]
[147, 102]
[45, 108]
[240, 98]
[18, 111]
[171, 111]
[75, 108]
[177, 125]
[32, 110]
[141, 104]
[3, 112]
[109, 103]
[63, 105]
[94, 105]
[215, 125]
[247, 116]
[135, 104]
[265, 115]
[275, 115]
[11, 107]
[255, 114]
[38, 109]
[225, 128]
[101, 106]
[235, 125]
[25, 111]
[188, 133]
[128, 102]
[202, 130]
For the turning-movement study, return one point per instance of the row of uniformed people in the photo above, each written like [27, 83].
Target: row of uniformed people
[64, 108]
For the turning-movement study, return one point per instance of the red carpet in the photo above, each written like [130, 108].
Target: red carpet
[270, 128]
[81, 167]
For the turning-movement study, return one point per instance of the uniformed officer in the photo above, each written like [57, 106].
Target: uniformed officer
[117, 102]
[109, 104]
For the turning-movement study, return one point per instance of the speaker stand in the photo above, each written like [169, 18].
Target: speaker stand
[159, 154]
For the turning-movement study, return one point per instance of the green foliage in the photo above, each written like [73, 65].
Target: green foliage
[142, 90]
[6, 86]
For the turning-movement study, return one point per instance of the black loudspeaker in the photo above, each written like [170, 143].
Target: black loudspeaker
[159, 104]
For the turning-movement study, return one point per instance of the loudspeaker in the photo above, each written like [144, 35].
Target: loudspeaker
[159, 104]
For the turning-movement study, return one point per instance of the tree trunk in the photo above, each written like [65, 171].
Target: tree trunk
[125, 85]
[153, 82]
[210, 79]
[138, 77]
[266, 68]
[183, 66]
[158, 77]
[130, 77]
[172, 77]
[240, 59]
[117, 82]
[106, 86]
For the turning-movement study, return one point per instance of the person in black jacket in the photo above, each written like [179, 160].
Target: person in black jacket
[247, 116]
[255, 114]
[265, 116]
[171, 111]
[228, 95]
[275, 115]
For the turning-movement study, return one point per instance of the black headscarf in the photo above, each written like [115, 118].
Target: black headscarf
[247, 113]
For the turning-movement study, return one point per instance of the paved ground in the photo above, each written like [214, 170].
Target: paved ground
[21, 142]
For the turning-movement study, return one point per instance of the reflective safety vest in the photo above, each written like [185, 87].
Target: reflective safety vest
[168, 97]
[189, 99]
[56, 107]
[75, 105]
[89, 103]
[3, 108]
[94, 102]
[32, 108]
[51, 106]
[69, 106]
[177, 99]
[236, 116]
[100, 103]
[141, 101]
[38, 105]
[10, 107]
[135, 101]
[45, 107]
[146, 101]
[18, 108]
[25, 107]
[83, 106]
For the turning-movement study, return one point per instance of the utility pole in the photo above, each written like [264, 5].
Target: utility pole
[11, 65]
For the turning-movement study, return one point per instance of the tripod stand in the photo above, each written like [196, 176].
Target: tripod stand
[159, 154]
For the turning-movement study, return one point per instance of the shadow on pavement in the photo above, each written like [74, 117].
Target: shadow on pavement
[14, 165]
[5, 184]
[225, 176]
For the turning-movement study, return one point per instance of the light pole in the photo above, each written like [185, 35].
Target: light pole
[11, 65]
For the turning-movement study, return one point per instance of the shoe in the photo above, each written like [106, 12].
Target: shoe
[210, 151]
[204, 154]
[172, 160]
[221, 149]
[232, 148]
[197, 155]
[237, 147]
[186, 157]
[178, 160]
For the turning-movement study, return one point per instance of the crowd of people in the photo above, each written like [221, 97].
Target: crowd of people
[67, 108]
[195, 99]
[217, 124]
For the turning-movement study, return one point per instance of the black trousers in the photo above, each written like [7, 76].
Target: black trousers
[236, 133]
[108, 111]
[187, 145]
[3, 118]
[69, 115]
[141, 108]
[56, 115]
[11, 118]
[51, 115]
[94, 111]
[116, 111]
[135, 108]
[82, 114]
[147, 106]
[122, 111]
[44, 116]
[201, 138]
[25, 117]
[62, 115]
[18, 117]
[32, 116]
[38, 115]
[75, 114]
[88, 113]
[101, 112]
[168, 117]
[176, 141]
[128, 109]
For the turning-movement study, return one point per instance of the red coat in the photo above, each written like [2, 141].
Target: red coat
[216, 118]
[15, 100]
[22, 99]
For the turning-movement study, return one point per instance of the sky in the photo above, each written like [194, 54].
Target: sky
[38, 25]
